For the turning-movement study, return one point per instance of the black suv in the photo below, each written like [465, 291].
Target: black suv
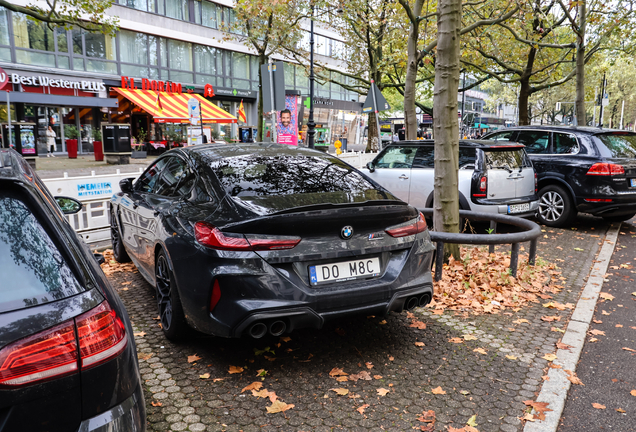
[68, 360]
[579, 169]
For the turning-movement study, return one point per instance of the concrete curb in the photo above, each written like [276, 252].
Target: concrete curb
[555, 390]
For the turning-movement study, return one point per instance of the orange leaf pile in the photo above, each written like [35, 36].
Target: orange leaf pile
[539, 407]
[111, 266]
[480, 283]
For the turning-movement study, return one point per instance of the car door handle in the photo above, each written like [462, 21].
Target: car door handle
[403, 177]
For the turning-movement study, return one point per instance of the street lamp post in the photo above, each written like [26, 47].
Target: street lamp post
[311, 125]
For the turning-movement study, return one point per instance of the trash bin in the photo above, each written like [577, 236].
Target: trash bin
[99, 150]
[71, 148]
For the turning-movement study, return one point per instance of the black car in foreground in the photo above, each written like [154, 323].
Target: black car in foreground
[579, 169]
[261, 238]
[68, 360]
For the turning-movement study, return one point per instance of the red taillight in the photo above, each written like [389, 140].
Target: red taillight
[216, 294]
[50, 354]
[406, 230]
[597, 200]
[101, 335]
[483, 184]
[209, 235]
[605, 169]
[536, 189]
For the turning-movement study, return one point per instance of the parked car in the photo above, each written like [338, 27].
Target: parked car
[580, 169]
[256, 238]
[491, 178]
[68, 360]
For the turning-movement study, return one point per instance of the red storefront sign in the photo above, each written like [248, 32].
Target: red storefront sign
[146, 84]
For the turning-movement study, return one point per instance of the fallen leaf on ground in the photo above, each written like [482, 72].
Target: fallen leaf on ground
[156, 404]
[621, 410]
[556, 329]
[391, 358]
[472, 421]
[593, 340]
[340, 391]
[633, 392]
[285, 338]
[511, 357]
[551, 318]
[144, 356]
[235, 369]
[438, 390]
[521, 321]
[606, 296]
[193, 358]
[217, 379]
[279, 406]
[597, 332]
[418, 325]
[598, 406]
[382, 322]
[419, 344]
[261, 373]
[550, 357]
[362, 408]
[619, 325]
[363, 375]
[480, 351]
[264, 393]
[572, 377]
[539, 407]
[605, 313]
[456, 340]
[555, 366]
[382, 391]
[468, 337]
[629, 349]
[204, 376]
[561, 345]
[342, 379]
[369, 365]
[377, 376]
[528, 417]
[337, 372]
[256, 385]
[595, 321]
[139, 334]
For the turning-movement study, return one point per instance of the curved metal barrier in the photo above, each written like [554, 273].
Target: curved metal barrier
[531, 232]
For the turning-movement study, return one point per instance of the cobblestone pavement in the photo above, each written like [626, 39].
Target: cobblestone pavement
[490, 386]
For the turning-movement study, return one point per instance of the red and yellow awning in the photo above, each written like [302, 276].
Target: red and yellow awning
[173, 107]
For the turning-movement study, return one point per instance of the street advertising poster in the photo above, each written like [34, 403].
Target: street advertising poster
[27, 139]
[288, 122]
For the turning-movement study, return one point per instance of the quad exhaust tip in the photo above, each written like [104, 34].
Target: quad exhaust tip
[411, 303]
[425, 299]
[277, 328]
[257, 330]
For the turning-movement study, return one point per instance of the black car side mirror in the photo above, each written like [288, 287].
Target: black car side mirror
[126, 185]
[99, 258]
[370, 166]
[68, 205]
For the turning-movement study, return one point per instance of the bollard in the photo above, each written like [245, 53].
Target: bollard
[493, 227]
[533, 252]
[514, 259]
[439, 261]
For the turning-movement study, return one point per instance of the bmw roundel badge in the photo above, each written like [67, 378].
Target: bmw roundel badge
[346, 232]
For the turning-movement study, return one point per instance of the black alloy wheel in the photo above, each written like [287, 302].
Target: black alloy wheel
[169, 306]
[555, 207]
[119, 252]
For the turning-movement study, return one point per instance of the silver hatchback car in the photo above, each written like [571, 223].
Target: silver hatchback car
[493, 177]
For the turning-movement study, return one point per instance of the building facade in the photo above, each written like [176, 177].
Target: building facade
[65, 78]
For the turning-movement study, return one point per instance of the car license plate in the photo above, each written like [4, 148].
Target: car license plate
[518, 208]
[343, 271]
[632, 182]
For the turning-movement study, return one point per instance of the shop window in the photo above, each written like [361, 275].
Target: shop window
[177, 9]
[205, 59]
[4, 27]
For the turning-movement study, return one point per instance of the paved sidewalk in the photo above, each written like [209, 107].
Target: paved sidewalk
[84, 165]
[181, 396]
[608, 361]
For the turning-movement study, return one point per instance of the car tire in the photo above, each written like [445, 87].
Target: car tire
[169, 307]
[119, 251]
[621, 218]
[555, 206]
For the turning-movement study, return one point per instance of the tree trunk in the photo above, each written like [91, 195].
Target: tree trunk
[262, 59]
[372, 134]
[580, 67]
[445, 121]
[525, 90]
[410, 86]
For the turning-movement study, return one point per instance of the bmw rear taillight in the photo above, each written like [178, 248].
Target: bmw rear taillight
[46, 355]
[55, 353]
[101, 335]
[210, 236]
[408, 229]
[606, 169]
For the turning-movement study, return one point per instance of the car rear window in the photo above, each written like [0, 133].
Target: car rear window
[506, 159]
[35, 272]
[616, 145]
[268, 184]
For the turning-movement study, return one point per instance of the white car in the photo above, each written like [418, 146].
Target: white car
[493, 177]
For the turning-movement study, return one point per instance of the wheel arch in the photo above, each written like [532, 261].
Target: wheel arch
[556, 181]
[463, 202]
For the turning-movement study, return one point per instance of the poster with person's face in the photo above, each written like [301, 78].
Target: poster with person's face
[27, 139]
[288, 122]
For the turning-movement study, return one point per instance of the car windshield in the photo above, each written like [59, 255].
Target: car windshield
[267, 184]
[616, 145]
[506, 159]
[38, 272]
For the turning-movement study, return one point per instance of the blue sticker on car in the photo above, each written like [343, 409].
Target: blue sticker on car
[312, 274]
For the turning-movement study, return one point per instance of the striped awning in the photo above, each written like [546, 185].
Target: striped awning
[173, 107]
